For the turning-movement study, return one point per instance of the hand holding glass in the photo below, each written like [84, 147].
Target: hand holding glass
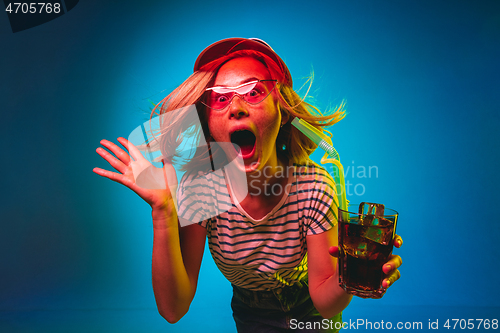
[365, 245]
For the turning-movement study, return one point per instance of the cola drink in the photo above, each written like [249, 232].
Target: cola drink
[365, 245]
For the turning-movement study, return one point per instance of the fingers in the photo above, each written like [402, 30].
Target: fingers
[392, 264]
[393, 277]
[117, 177]
[121, 179]
[134, 152]
[119, 153]
[391, 269]
[334, 251]
[398, 241]
[169, 174]
[118, 164]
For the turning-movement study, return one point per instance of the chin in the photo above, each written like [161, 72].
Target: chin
[252, 167]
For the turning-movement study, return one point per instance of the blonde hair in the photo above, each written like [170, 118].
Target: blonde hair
[290, 142]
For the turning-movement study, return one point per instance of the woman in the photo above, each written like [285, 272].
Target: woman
[273, 246]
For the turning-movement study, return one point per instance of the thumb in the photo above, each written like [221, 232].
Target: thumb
[334, 251]
[169, 174]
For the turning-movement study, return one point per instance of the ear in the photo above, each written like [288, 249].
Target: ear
[285, 116]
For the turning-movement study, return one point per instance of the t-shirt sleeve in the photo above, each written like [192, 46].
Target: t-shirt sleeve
[324, 203]
[201, 197]
[194, 200]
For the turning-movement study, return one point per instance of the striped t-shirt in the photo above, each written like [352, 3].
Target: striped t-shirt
[270, 252]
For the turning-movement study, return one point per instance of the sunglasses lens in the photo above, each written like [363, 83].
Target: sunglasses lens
[219, 101]
[257, 94]
[253, 93]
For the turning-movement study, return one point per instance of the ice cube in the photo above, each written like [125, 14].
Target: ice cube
[368, 220]
[367, 208]
[359, 248]
[374, 234]
[381, 233]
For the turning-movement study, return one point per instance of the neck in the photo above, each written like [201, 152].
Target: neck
[262, 180]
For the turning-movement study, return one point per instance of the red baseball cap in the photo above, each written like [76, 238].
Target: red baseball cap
[227, 46]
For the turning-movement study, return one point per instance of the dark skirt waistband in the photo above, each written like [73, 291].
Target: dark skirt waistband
[273, 293]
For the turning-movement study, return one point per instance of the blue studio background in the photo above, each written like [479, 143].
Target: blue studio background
[421, 82]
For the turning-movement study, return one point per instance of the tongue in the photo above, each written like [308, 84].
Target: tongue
[246, 149]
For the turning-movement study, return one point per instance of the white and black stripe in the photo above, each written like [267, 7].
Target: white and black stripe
[267, 253]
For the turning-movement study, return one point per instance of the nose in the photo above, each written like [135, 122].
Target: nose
[237, 107]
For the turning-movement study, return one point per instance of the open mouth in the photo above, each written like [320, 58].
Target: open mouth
[244, 140]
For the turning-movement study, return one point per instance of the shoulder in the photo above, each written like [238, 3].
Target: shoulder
[314, 176]
[316, 188]
[201, 196]
[201, 181]
[315, 183]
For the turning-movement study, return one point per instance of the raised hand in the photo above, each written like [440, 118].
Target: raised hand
[154, 185]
